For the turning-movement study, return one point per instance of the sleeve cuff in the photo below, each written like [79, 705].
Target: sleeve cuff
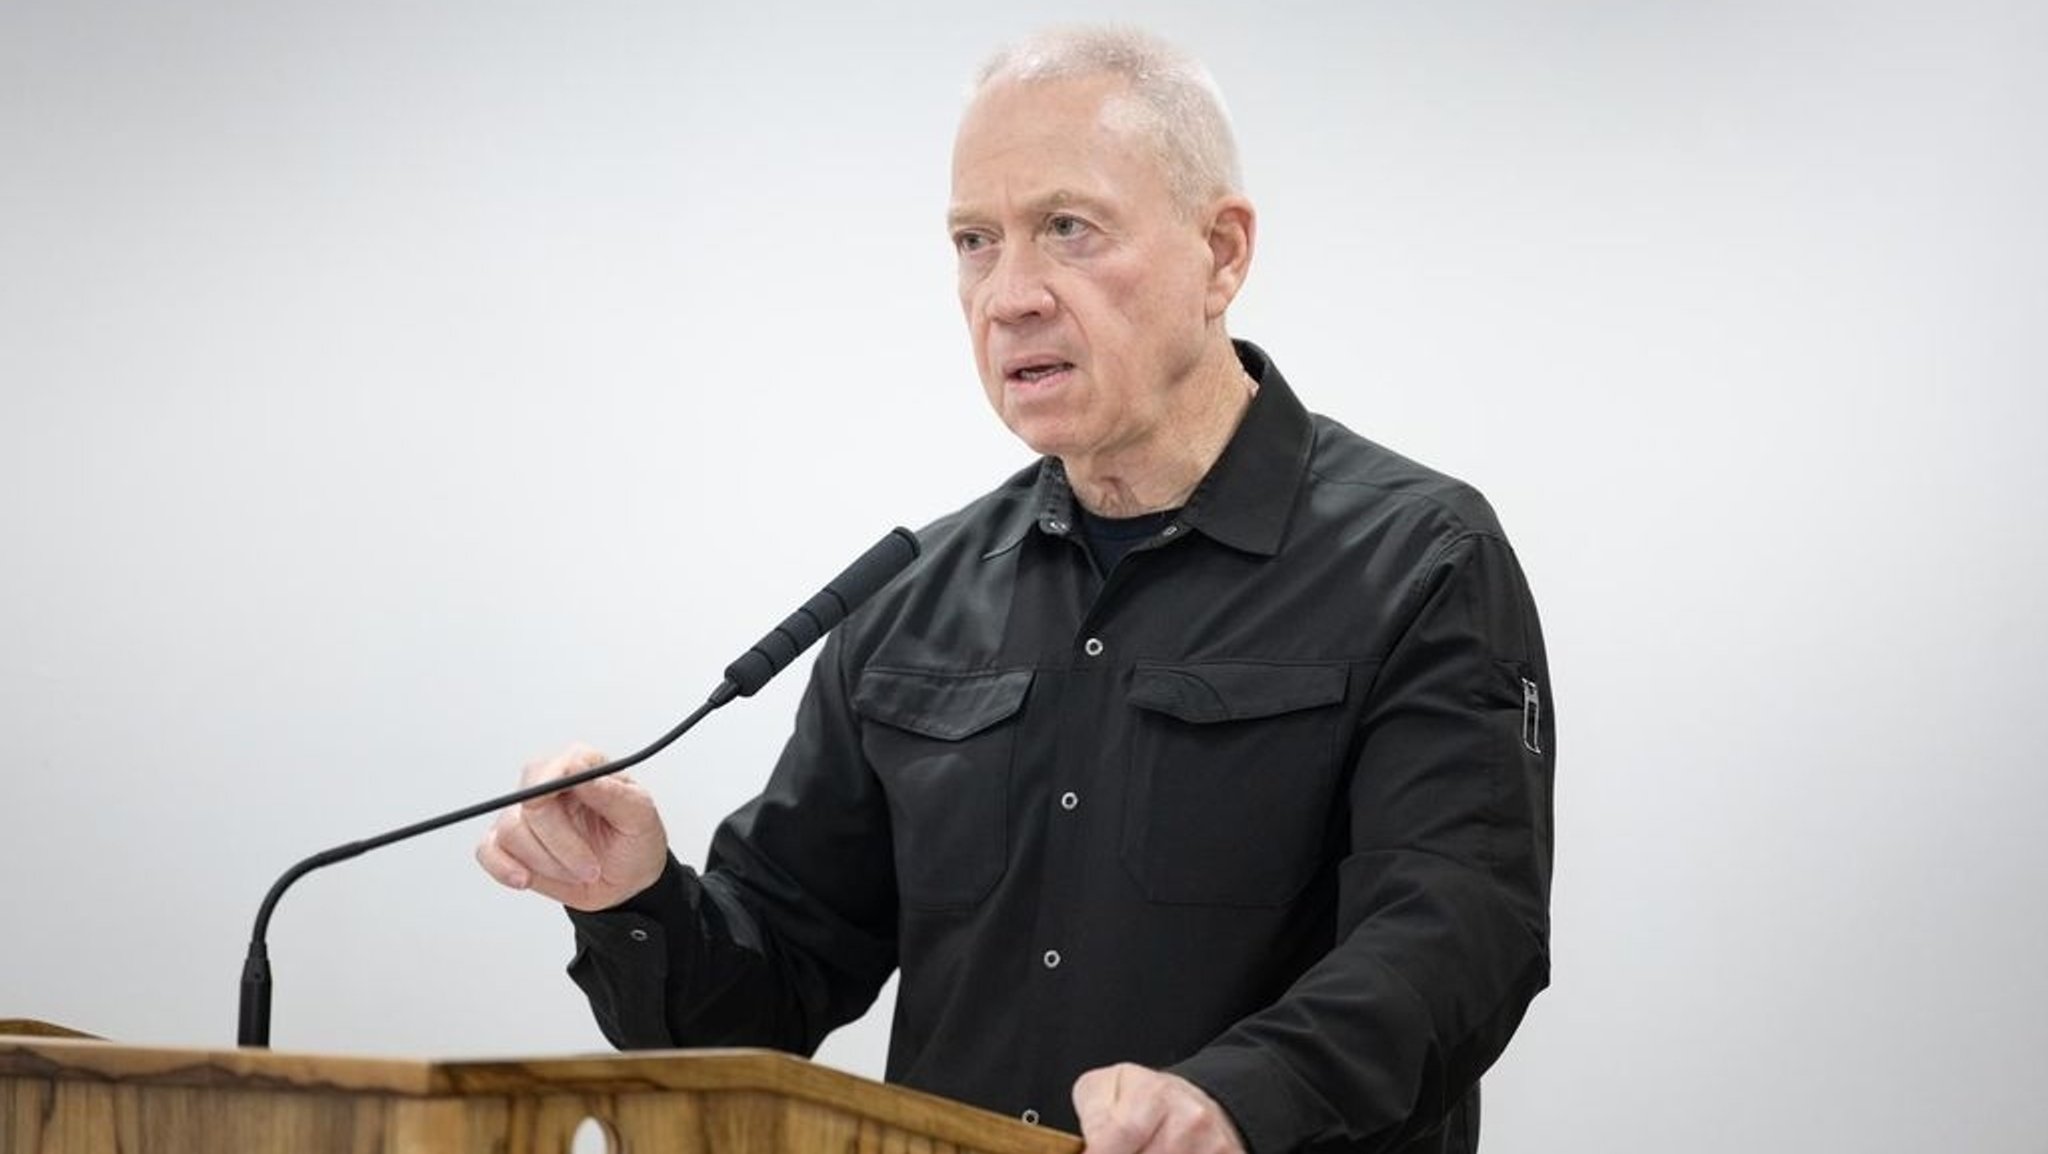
[623, 959]
[1252, 1091]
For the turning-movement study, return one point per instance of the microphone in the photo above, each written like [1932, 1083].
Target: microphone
[814, 618]
[746, 675]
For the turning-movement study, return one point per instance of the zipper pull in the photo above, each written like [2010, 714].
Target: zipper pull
[1532, 717]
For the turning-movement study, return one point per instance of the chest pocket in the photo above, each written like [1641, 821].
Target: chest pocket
[942, 744]
[1233, 770]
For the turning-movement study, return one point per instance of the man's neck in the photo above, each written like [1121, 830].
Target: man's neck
[1163, 471]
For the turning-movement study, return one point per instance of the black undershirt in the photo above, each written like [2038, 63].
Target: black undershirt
[1109, 538]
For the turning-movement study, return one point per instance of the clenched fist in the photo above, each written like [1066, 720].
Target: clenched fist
[1127, 1109]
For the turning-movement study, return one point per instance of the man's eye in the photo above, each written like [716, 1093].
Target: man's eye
[1066, 227]
[968, 242]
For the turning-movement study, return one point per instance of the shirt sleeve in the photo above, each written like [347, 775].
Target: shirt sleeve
[787, 934]
[1442, 923]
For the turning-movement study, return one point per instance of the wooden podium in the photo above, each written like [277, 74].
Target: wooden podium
[71, 1095]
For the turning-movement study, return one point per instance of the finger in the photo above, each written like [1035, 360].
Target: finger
[620, 803]
[499, 864]
[514, 844]
[554, 828]
[1123, 1113]
[518, 839]
[1094, 1090]
[552, 820]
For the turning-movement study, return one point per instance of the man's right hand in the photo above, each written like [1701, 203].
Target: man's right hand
[588, 848]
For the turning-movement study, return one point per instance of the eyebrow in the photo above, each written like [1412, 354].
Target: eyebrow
[1057, 199]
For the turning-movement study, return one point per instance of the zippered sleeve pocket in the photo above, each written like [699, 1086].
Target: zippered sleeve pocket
[1532, 716]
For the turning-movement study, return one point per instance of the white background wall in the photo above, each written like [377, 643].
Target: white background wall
[390, 392]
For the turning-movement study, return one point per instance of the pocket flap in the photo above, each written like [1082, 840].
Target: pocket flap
[947, 706]
[1235, 690]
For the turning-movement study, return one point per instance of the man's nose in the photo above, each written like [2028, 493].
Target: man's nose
[1017, 287]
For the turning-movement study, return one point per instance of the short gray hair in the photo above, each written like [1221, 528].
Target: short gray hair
[1182, 107]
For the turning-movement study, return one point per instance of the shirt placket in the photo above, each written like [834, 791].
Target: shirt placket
[1082, 805]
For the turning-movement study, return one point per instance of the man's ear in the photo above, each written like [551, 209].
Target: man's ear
[1232, 231]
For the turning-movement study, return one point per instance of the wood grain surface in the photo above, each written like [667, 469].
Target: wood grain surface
[30, 1028]
[65, 1095]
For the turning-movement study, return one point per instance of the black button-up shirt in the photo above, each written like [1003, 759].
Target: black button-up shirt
[1268, 807]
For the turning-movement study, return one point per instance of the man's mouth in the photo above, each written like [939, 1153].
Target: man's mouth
[1036, 372]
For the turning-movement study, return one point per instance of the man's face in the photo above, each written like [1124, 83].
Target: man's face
[1087, 291]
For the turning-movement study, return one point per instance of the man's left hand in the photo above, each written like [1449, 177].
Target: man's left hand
[1127, 1109]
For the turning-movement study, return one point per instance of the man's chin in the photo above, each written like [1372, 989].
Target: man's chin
[1045, 437]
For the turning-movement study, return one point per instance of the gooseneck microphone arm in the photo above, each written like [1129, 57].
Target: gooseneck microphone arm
[254, 1025]
[746, 675]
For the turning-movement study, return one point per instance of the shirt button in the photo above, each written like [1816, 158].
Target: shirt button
[637, 934]
[1030, 1116]
[1052, 959]
[1092, 647]
[1069, 800]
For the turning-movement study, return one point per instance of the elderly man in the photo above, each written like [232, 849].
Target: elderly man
[1197, 779]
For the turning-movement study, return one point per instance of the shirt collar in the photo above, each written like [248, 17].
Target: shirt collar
[1245, 498]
